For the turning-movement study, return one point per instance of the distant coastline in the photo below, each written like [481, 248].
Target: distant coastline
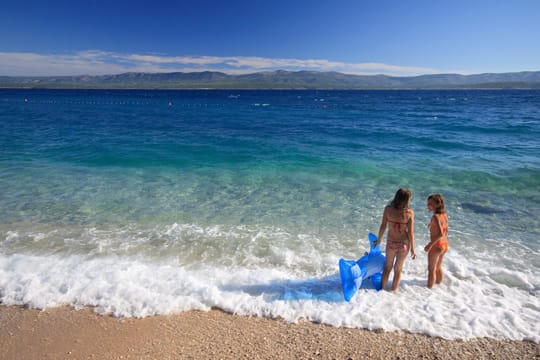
[296, 80]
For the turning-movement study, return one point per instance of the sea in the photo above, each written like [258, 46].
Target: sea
[139, 203]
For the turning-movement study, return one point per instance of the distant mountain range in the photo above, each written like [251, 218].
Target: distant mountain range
[275, 80]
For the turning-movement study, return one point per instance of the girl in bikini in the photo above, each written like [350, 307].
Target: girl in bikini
[399, 219]
[438, 246]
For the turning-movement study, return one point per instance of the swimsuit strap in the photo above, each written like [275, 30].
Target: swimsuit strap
[442, 229]
[397, 224]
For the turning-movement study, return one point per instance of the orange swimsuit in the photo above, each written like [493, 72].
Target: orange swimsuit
[443, 243]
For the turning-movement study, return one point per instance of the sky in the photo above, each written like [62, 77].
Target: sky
[391, 37]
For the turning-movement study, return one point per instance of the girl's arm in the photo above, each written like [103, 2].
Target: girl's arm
[411, 234]
[382, 228]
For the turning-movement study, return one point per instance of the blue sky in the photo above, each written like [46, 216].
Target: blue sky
[402, 38]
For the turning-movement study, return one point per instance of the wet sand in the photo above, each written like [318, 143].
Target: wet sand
[65, 333]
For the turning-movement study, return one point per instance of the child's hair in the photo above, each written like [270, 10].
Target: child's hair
[438, 201]
[401, 199]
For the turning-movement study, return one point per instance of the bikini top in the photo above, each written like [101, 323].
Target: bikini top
[443, 229]
[397, 225]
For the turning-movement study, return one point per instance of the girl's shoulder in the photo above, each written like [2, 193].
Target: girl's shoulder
[440, 217]
[407, 214]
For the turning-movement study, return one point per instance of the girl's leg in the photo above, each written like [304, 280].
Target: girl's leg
[398, 267]
[390, 255]
[438, 269]
[433, 256]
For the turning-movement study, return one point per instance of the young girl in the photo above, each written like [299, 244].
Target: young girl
[438, 245]
[400, 221]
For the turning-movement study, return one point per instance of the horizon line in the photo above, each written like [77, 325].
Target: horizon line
[265, 71]
[98, 62]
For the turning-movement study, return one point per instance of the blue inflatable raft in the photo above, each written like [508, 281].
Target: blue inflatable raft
[353, 273]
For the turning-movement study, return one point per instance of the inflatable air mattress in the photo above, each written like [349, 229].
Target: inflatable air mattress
[370, 266]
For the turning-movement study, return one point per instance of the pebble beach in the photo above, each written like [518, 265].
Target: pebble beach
[65, 333]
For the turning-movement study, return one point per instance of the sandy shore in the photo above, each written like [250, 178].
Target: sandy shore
[64, 333]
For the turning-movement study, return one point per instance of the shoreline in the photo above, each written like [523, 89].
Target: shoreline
[64, 332]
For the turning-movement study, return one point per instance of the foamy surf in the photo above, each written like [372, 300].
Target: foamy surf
[470, 303]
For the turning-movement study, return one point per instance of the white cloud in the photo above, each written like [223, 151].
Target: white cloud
[30, 64]
[97, 62]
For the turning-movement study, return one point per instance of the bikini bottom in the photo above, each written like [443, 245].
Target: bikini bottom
[441, 244]
[397, 246]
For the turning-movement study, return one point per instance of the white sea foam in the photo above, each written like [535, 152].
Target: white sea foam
[469, 304]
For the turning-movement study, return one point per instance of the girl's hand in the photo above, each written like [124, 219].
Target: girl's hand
[413, 254]
[427, 248]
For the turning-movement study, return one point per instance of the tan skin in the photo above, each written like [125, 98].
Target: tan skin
[402, 233]
[438, 228]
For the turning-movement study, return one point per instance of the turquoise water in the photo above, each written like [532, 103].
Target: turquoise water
[154, 202]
